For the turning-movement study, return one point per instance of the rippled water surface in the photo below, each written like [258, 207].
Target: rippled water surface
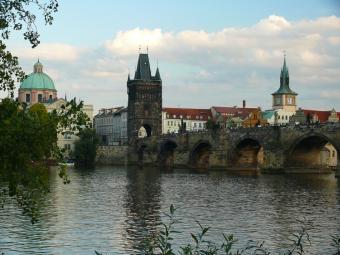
[112, 209]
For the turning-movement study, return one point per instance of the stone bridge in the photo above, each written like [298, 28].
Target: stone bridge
[269, 149]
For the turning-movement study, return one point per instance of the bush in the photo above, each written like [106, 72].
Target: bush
[161, 243]
[85, 149]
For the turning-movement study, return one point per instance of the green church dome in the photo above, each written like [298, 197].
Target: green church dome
[38, 79]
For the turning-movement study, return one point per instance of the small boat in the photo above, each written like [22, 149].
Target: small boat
[68, 162]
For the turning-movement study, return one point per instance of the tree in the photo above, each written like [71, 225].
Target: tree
[86, 148]
[211, 125]
[28, 140]
[18, 15]
[28, 135]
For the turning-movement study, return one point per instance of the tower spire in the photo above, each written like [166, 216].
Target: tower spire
[157, 75]
[284, 79]
[143, 71]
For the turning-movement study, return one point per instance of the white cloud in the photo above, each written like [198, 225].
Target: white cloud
[50, 51]
[127, 42]
[201, 68]
[273, 24]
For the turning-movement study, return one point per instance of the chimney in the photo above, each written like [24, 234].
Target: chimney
[244, 103]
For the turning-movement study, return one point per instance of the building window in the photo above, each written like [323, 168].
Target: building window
[333, 154]
[28, 98]
[290, 100]
[277, 100]
[200, 125]
[286, 117]
[51, 97]
[40, 98]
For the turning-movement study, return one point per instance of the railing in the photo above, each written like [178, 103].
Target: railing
[330, 125]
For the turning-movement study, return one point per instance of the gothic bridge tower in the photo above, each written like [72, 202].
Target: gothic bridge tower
[144, 101]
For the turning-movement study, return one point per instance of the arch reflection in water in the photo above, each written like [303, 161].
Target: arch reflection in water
[166, 155]
[142, 205]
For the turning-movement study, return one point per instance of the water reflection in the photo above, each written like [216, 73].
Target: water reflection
[142, 205]
[113, 209]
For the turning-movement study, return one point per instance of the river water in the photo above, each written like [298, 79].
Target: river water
[113, 209]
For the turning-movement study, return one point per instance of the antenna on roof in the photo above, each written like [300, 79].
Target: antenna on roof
[147, 49]
[284, 53]
[157, 63]
[139, 47]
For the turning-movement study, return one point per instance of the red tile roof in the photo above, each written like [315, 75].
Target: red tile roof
[322, 115]
[234, 111]
[175, 113]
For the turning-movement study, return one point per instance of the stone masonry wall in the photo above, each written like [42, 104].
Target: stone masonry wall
[112, 155]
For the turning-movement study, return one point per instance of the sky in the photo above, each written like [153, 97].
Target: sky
[210, 53]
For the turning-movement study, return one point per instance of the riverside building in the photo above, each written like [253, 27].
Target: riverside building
[39, 87]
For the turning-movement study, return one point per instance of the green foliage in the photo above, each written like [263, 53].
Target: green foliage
[9, 68]
[17, 15]
[28, 141]
[161, 244]
[85, 150]
[211, 125]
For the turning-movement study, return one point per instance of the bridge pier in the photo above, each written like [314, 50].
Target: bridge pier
[273, 161]
[337, 170]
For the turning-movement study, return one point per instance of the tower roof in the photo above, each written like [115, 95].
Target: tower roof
[284, 81]
[38, 79]
[143, 71]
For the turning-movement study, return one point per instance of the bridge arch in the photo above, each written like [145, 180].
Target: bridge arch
[145, 131]
[247, 153]
[166, 154]
[313, 151]
[200, 155]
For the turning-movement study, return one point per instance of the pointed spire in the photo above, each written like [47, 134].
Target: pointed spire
[129, 77]
[65, 97]
[143, 71]
[284, 76]
[284, 79]
[157, 75]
